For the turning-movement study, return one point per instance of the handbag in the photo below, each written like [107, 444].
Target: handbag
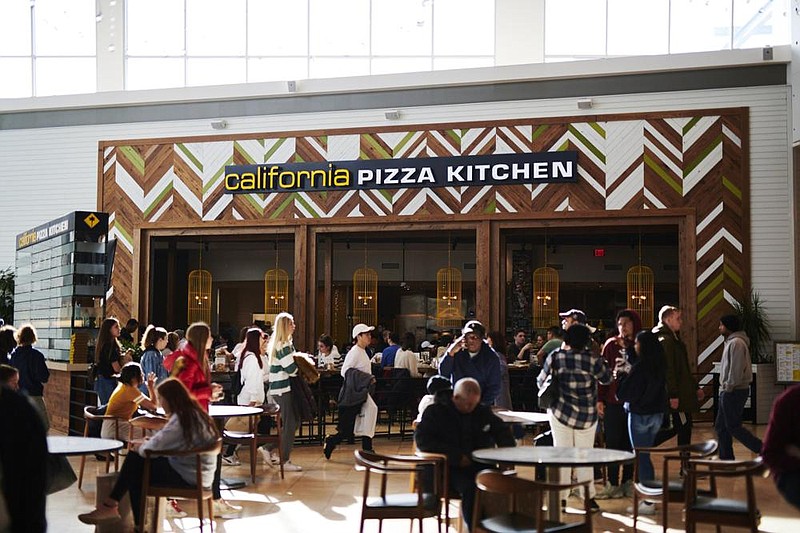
[365, 421]
[548, 392]
[307, 369]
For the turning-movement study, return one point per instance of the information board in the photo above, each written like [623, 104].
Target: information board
[787, 357]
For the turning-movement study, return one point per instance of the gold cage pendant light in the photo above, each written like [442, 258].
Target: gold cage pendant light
[365, 293]
[640, 290]
[448, 295]
[545, 295]
[276, 288]
[199, 304]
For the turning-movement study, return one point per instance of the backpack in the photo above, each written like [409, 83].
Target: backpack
[236, 377]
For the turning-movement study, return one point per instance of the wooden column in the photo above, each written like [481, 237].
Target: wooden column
[303, 301]
[687, 285]
[483, 298]
[171, 265]
[327, 267]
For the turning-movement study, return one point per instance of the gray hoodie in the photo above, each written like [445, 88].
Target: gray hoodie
[736, 370]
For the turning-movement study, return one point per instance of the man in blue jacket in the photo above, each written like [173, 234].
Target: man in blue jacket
[476, 360]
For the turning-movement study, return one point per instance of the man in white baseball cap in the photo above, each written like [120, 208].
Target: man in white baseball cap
[574, 316]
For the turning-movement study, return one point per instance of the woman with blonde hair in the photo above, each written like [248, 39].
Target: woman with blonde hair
[33, 372]
[280, 354]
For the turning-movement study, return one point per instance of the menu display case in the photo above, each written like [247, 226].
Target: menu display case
[61, 281]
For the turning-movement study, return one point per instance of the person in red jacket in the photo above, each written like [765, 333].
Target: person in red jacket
[190, 365]
[615, 419]
[781, 447]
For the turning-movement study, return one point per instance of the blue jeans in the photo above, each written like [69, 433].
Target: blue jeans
[642, 430]
[729, 424]
[104, 387]
[789, 486]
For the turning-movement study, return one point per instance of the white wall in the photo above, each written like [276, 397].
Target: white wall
[47, 172]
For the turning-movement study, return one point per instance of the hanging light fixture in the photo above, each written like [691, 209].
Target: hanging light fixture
[199, 304]
[448, 295]
[365, 293]
[276, 288]
[640, 290]
[545, 295]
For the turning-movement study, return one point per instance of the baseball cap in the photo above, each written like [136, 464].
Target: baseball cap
[578, 316]
[426, 344]
[358, 329]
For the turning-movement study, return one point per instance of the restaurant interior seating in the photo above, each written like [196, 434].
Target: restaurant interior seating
[653, 490]
[198, 492]
[415, 505]
[93, 418]
[518, 492]
[705, 509]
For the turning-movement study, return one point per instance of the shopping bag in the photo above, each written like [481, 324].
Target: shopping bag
[366, 419]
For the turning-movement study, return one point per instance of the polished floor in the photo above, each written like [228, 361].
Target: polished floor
[326, 495]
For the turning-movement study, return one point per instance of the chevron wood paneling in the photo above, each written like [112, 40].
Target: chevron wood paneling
[626, 164]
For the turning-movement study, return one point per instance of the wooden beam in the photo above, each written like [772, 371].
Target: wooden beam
[483, 247]
[687, 285]
[301, 301]
[327, 267]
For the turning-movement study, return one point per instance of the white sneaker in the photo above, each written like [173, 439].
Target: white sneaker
[645, 508]
[231, 460]
[266, 458]
[174, 510]
[288, 466]
[274, 458]
[223, 509]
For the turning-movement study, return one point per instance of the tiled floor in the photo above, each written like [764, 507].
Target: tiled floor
[325, 498]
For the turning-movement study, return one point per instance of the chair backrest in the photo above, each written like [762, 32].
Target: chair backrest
[701, 449]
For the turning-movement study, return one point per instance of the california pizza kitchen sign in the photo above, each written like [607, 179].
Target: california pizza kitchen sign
[503, 169]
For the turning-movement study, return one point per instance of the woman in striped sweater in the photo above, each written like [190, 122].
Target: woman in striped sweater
[280, 351]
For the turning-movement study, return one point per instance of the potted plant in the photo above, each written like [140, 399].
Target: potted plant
[756, 326]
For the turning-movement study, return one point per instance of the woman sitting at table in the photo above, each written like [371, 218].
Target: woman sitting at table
[328, 353]
[126, 398]
[573, 417]
[405, 357]
[189, 426]
[254, 373]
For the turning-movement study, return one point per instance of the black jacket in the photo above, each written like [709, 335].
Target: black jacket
[643, 392]
[444, 429]
[357, 385]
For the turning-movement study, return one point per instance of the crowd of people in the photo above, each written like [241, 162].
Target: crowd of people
[633, 389]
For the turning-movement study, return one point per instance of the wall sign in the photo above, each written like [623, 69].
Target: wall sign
[81, 220]
[787, 357]
[503, 169]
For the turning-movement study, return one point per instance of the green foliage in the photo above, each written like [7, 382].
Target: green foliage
[135, 347]
[757, 327]
[7, 295]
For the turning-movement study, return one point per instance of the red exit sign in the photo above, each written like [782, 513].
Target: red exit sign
[599, 252]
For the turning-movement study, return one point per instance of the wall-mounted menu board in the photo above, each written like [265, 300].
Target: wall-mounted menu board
[787, 357]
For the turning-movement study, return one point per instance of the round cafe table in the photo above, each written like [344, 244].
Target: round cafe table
[553, 458]
[222, 412]
[60, 445]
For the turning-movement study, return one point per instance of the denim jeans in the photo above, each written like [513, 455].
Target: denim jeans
[642, 430]
[729, 424]
[104, 387]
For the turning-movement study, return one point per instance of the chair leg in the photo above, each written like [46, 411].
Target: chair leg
[200, 512]
[80, 476]
[635, 509]
[664, 513]
[156, 503]
[380, 525]
[210, 514]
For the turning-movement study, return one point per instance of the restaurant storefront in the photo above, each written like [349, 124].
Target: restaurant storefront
[668, 189]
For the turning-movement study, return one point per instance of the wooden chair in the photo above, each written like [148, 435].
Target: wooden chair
[145, 424]
[97, 415]
[253, 440]
[444, 483]
[414, 506]
[198, 492]
[722, 511]
[494, 482]
[653, 490]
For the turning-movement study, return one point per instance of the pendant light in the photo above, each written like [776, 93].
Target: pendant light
[199, 304]
[640, 290]
[276, 288]
[365, 293]
[545, 295]
[448, 294]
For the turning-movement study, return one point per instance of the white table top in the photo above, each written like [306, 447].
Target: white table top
[523, 417]
[551, 456]
[62, 445]
[226, 411]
